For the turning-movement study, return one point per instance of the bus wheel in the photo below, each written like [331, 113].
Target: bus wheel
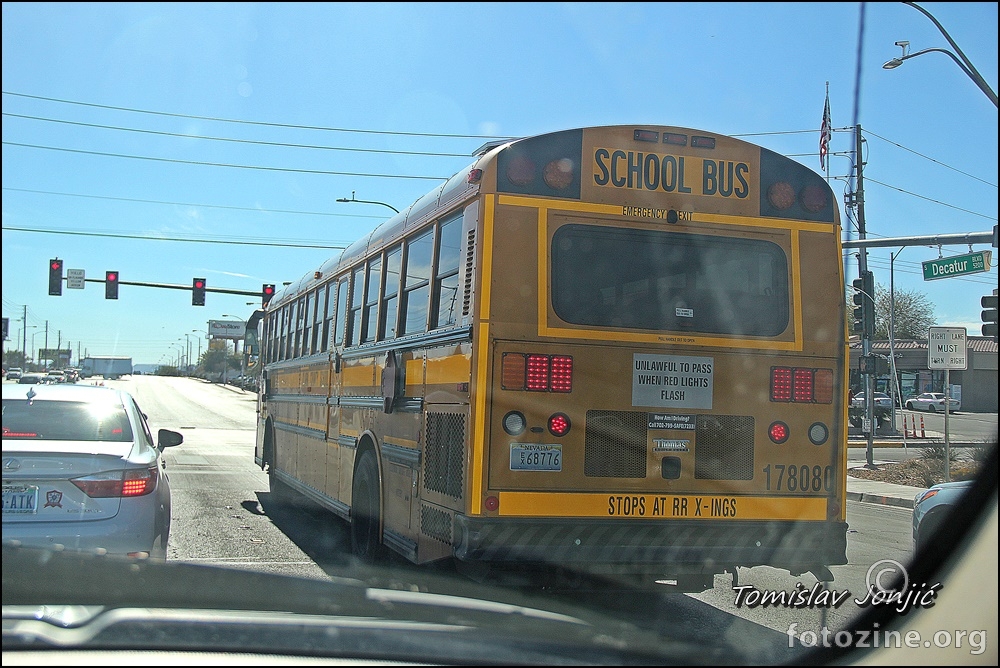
[281, 494]
[366, 540]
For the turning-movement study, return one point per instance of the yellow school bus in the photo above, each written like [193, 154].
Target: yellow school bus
[620, 350]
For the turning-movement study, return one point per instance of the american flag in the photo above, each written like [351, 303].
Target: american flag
[824, 133]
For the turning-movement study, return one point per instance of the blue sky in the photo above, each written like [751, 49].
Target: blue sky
[292, 86]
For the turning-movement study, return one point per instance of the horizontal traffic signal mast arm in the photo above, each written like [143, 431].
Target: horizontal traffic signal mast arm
[172, 286]
[933, 240]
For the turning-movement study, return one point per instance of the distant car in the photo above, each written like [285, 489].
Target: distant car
[32, 379]
[14, 373]
[81, 471]
[933, 401]
[55, 376]
[881, 399]
[931, 507]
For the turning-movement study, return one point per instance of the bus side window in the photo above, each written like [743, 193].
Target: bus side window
[387, 328]
[340, 322]
[446, 283]
[307, 321]
[369, 325]
[330, 300]
[357, 298]
[416, 286]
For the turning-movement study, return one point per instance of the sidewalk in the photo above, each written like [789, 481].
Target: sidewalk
[883, 493]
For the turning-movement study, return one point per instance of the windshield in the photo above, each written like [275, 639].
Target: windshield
[64, 421]
[519, 333]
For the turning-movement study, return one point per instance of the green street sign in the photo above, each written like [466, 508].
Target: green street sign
[957, 265]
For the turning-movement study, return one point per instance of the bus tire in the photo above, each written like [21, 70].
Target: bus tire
[366, 497]
[281, 494]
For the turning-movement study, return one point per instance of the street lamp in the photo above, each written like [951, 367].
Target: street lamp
[366, 201]
[23, 335]
[965, 64]
[32, 348]
[193, 331]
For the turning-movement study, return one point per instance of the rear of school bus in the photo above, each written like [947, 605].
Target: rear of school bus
[659, 358]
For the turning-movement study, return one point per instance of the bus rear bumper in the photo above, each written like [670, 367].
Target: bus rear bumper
[690, 545]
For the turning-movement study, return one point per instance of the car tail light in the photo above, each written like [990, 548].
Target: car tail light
[801, 385]
[537, 373]
[111, 484]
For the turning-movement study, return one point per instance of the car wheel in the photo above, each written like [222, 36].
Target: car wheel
[931, 409]
[909, 405]
[366, 538]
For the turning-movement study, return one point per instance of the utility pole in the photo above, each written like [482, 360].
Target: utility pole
[24, 343]
[866, 343]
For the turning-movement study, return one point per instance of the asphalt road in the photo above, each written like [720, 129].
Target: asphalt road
[223, 515]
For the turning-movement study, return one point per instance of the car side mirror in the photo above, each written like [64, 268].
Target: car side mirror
[166, 438]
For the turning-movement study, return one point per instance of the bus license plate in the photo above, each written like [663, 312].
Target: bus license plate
[20, 499]
[535, 457]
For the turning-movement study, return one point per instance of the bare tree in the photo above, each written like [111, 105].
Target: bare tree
[914, 313]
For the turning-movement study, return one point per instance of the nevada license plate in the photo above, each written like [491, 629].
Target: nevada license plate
[20, 499]
[535, 457]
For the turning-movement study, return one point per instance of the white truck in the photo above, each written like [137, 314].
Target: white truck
[112, 368]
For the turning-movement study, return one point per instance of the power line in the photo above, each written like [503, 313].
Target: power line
[240, 141]
[868, 179]
[223, 164]
[228, 242]
[207, 206]
[937, 162]
[262, 123]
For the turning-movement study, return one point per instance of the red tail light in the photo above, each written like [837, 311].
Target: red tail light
[801, 385]
[111, 484]
[537, 373]
[562, 373]
[781, 384]
[559, 424]
[778, 432]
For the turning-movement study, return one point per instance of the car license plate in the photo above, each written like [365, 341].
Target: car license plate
[20, 499]
[535, 457]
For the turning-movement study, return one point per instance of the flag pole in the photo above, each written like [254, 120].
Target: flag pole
[830, 130]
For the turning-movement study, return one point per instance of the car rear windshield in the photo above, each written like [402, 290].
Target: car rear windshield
[648, 279]
[65, 421]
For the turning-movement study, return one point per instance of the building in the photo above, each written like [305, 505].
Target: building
[976, 386]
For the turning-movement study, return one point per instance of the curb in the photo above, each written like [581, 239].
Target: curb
[880, 499]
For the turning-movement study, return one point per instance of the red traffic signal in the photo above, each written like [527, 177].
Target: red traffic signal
[55, 277]
[111, 285]
[198, 292]
[266, 292]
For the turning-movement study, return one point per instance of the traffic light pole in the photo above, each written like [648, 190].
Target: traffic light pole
[866, 343]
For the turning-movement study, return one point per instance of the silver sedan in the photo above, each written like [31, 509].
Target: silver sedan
[81, 471]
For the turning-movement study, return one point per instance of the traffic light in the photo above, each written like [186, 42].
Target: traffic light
[198, 292]
[266, 293]
[55, 277]
[111, 285]
[989, 315]
[864, 304]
